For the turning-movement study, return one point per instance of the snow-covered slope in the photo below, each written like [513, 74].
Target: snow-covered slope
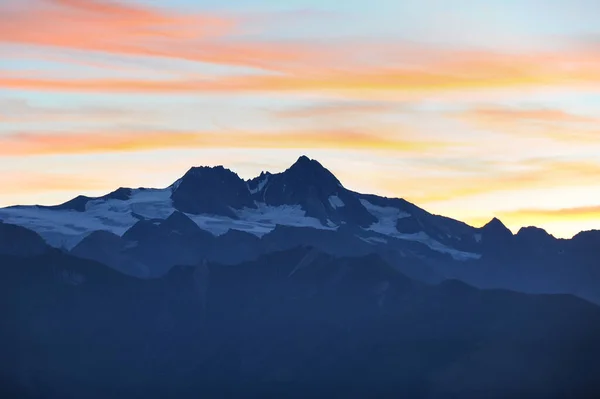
[387, 220]
[65, 228]
[329, 203]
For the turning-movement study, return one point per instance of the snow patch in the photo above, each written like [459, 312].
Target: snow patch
[261, 184]
[374, 240]
[288, 215]
[176, 185]
[305, 261]
[336, 202]
[477, 237]
[387, 219]
[66, 228]
[435, 245]
[259, 221]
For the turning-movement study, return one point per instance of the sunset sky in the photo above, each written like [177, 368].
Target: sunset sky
[470, 109]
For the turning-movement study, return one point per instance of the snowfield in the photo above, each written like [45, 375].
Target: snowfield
[66, 228]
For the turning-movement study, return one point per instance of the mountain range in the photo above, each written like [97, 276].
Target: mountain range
[289, 286]
[212, 214]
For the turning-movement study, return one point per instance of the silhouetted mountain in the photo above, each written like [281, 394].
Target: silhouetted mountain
[18, 241]
[176, 240]
[320, 194]
[79, 203]
[111, 250]
[295, 323]
[536, 240]
[142, 230]
[496, 237]
[328, 241]
[533, 261]
[178, 223]
[211, 190]
[235, 247]
[586, 241]
[151, 248]
[534, 234]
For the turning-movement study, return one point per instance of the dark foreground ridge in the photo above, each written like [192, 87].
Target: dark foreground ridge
[296, 323]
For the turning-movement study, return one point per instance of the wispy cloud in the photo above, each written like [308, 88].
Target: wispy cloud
[338, 109]
[109, 26]
[39, 182]
[534, 216]
[134, 29]
[424, 188]
[15, 111]
[22, 144]
[530, 114]
[463, 72]
[345, 66]
[555, 124]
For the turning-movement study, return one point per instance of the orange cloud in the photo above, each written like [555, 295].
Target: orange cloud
[548, 123]
[34, 183]
[44, 144]
[337, 109]
[100, 25]
[583, 213]
[137, 30]
[425, 188]
[536, 115]
[20, 111]
[464, 71]
[347, 67]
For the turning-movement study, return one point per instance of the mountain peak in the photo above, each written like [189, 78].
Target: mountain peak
[305, 162]
[306, 181]
[496, 232]
[533, 238]
[303, 158]
[316, 190]
[495, 224]
[211, 190]
[199, 170]
[589, 238]
[533, 232]
[181, 223]
[307, 169]
[19, 241]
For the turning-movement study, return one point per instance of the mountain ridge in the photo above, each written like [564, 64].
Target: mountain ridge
[79, 202]
[213, 214]
[305, 194]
